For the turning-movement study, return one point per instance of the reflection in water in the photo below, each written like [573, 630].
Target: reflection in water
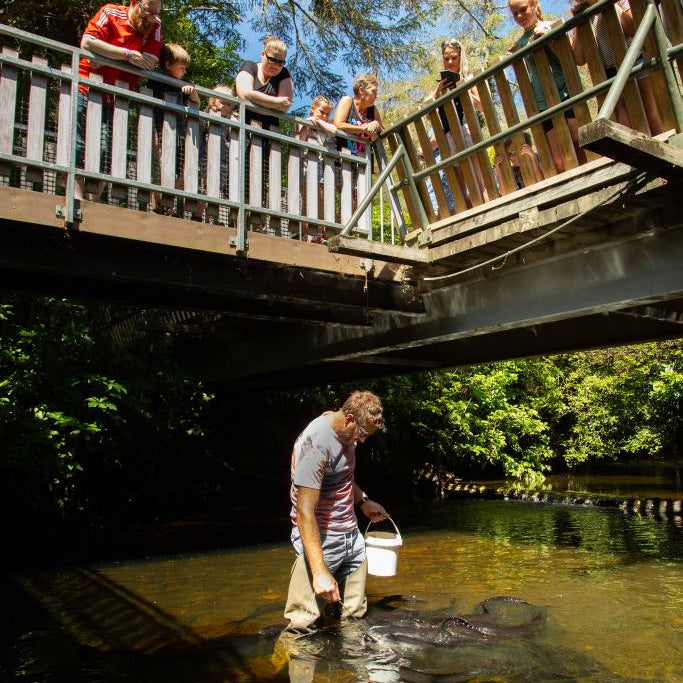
[611, 585]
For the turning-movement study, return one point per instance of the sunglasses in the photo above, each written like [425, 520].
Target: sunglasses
[147, 9]
[451, 42]
[274, 60]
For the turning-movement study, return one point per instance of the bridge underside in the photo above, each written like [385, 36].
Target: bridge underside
[289, 314]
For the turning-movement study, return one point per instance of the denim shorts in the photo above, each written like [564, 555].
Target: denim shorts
[344, 551]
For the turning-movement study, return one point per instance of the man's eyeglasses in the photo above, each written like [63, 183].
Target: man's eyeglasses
[274, 60]
[361, 432]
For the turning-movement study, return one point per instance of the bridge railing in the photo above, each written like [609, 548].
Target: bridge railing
[443, 173]
[138, 151]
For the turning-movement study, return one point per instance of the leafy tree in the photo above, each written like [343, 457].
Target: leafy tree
[365, 36]
[88, 429]
[622, 401]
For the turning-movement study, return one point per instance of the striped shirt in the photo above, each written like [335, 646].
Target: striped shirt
[320, 461]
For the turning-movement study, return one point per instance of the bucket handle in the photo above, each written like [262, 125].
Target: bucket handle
[391, 520]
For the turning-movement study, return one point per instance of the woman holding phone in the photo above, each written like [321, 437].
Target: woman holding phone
[455, 71]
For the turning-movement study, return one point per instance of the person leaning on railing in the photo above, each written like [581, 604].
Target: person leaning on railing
[599, 25]
[128, 34]
[455, 71]
[267, 83]
[174, 61]
[528, 14]
[358, 115]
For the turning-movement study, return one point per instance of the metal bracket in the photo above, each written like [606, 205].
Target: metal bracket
[367, 264]
[60, 212]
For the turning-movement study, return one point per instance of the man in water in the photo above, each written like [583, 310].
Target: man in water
[330, 565]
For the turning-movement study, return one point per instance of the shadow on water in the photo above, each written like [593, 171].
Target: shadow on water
[610, 584]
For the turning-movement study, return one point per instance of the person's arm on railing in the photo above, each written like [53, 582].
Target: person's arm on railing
[371, 129]
[133, 57]
[244, 85]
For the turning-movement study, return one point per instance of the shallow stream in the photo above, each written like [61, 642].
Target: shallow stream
[611, 584]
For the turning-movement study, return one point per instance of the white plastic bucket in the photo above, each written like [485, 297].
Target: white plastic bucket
[381, 549]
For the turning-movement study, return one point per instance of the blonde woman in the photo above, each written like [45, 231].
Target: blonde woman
[455, 71]
[267, 83]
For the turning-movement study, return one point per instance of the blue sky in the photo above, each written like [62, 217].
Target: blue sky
[253, 45]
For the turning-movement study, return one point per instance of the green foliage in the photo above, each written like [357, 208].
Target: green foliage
[621, 401]
[365, 36]
[79, 416]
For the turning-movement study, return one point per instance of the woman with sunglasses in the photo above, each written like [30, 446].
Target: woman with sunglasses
[267, 83]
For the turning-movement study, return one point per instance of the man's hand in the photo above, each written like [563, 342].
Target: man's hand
[326, 587]
[374, 511]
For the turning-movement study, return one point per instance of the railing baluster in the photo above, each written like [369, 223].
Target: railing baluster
[35, 134]
[93, 134]
[655, 76]
[328, 186]
[347, 187]
[426, 202]
[294, 187]
[529, 100]
[507, 101]
[434, 178]
[631, 95]
[119, 142]
[392, 139]
[672, 13]
[471, 188]
[234, 175]
[563, 50]
[362, 187]
[275, 181]
[483, 170]
[8, 97]
[190, 181]
[445, 151]
[507, 181]
[169, 135]
[144, 145]
[311, 180]
[256, 175]
[62, 152]
[552, 97]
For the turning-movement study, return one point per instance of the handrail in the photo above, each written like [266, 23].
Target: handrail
[286, 194]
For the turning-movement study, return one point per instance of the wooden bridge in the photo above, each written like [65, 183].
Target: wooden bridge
[440, 252]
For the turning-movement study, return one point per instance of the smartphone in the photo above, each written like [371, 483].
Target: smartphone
[451, 76]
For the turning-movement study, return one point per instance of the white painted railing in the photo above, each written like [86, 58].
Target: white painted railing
[201, 166]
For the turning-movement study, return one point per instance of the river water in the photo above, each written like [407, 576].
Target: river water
[611, 584]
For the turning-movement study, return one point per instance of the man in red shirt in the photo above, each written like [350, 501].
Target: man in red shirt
[129, 34]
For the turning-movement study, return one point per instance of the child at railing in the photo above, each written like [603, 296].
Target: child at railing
[528, 14]
[225, 109]
[321, 109]
[174, 60]
[599, 25]
[526, 153]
